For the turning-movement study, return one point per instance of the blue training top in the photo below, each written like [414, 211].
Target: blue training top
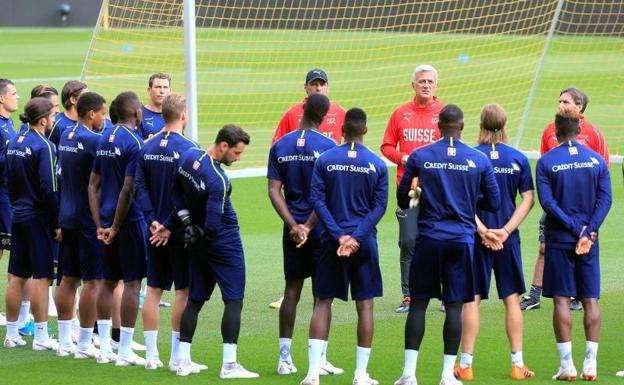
[455, 180]
[7, 132]
[151, 123]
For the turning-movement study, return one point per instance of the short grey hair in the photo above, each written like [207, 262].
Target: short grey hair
[425, 68]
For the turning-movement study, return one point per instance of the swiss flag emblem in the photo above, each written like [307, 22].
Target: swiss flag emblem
[196, 165]
[300, 142]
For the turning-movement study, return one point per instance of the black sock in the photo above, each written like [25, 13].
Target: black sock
[452, 327]
[230, 323]
[415, 324]
[115, 334]
[188, 323]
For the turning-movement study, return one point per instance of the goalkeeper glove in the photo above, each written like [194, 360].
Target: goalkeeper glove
[192, 233]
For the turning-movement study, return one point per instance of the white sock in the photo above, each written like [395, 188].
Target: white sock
[65, 332]
[75, 325]
[411, 357]
[229, 353]
[591, 350]
[517, 359]
[315, 350]
[151, 344]
[84, 341]
[125, 341]
[12, 330]
[447, 369]
[284, 346]
[184, 351]
[104, 326]
[41, 331]
[175, 345]
[24, 314]
[565, 353]
[361, 360]
[324, 353]
[465, 360]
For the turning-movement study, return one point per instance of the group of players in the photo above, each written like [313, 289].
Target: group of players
[161, 208]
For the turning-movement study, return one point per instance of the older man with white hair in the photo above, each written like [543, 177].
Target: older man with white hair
[411, 126]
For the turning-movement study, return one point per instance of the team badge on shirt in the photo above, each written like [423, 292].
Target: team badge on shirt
[20, 139]
[573, 150]
[70, 135]
[352, 154]
[163, 143]
[301, 142]
[196, 165]
[493, 154]
[451, 151]
[111, 139]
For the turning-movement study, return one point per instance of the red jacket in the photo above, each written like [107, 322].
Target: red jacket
[590, 136]
[411, 127]
[330, 127]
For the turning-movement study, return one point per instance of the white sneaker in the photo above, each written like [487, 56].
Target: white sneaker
[3, 320]
[13, 343]
[153, 364]
[96, 340]
[364, 379]
[236, 371]
[134, 346]
[329, 369]
[186, 367]
[450, 381]
[104, 357]
[174, 365]
[310, 381]
[285, 367]
[566, 374]
[64, 351]
[92, 352]
[49, 344]
[409, 380]
[620, 373]
[130, 360]
[589, 370]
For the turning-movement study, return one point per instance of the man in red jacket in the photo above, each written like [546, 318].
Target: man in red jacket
[411, 126]
[316, 82]
[590, 136]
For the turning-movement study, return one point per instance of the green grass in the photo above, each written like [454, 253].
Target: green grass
[46, 54]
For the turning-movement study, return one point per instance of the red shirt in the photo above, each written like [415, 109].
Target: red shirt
[330, 127]
[411, 127]
[590, 136]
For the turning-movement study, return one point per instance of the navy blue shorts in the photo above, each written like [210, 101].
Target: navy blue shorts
[81, 254]
[300, 263]
[125, 258]
[33, 249]
[442, 269]
[361, 270]
[5, 226]
[168, 264]
[507, 266]
[220, 262]
[569, 275]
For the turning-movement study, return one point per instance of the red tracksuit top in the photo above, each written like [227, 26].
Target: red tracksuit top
[330, 127]
[590, 136]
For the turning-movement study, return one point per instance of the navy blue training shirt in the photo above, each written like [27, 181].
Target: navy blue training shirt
[156, 170]
[349, 191]
[76, 152]
[513, 174]
[291, 161]
[151, 123]
[574, 189]
[61, 123]
[7, 132]
[452, 176]
[116, 158]
[31, 170]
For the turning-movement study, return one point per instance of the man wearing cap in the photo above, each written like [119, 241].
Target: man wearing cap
[316, 83]
[411, 126]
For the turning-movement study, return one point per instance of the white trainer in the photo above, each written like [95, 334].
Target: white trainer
[409, 380]
[3, 320]
[105, 357]
[153, 364]
[174, 365]
[589, 370]
[186, 367]
[310, 381]
[137, 347]
[96, 340]
[285, 367]
[236, 370]
[14, 342]
[328, 369]
[130, 360]
[566, 374]
[364, 379]
[92, 352]
[64, 351]
[49, 344]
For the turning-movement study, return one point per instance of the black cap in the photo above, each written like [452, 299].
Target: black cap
[316, 74]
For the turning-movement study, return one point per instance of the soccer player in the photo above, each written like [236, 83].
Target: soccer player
[455, 179]
[67, 119]
[9, 100]
[573, 218]
[291, 161]
[120, 226]
[44, 91]
[316, 82]
[159, 87]
[167, 261]
[81, 252]
[500, 247]
[202, 200]
[411, 126]
[349, 193]
[590, 136]
[31, 161]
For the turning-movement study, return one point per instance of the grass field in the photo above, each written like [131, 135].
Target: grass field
[55, 56]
